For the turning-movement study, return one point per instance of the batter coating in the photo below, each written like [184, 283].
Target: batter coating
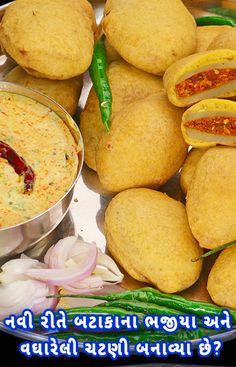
[51, 39]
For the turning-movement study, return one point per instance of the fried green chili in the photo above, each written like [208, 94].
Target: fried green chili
[156, 297]
[100, 81]
[214, 20]
[143, 307]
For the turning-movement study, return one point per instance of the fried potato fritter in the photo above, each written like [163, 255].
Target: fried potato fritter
[144, 147]
[148, 235]
[127, 84]
[148, 33]
[53, 38]
[211, 198]
[224, 40]
[221, 283]
[206, 35]
[189, 168]
[65, 92]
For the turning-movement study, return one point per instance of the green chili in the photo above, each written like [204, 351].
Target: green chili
[143, 307]
[175, 302]
[214, 20]
[100, 81]
[217, 249]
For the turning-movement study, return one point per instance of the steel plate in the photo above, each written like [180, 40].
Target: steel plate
[86, 213]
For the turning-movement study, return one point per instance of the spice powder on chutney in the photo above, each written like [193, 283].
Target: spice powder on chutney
[39, 139]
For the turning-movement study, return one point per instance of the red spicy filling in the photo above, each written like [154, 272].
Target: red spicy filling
[19, 165]
[218, 125]
[205, 80]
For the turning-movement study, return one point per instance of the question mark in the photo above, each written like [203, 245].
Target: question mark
[218, 344]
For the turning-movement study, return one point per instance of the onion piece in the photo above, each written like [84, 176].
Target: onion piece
[110, 288]
[16, 269]
[46, 303]
[64, 276]
[88, 285]
[80, 250]
[109, 263]
[107, 275]
[22, 294]
[59, 252]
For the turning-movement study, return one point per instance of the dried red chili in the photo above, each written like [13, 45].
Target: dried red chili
[19, 165]
[218, 125]
[205, 80]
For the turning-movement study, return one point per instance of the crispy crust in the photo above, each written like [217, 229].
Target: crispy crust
[66, 50]
[211, 198]
[144, 147]
[189, 168]
[148, 235]
[65, 92]
[148, 34]
[128, 84]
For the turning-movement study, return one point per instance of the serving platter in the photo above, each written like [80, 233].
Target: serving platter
[86, 216]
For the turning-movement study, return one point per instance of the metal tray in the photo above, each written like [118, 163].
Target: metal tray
[86, 214]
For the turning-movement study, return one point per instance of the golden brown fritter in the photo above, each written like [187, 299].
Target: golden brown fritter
[148, 235]
[53, 39]
[65, 92]
[189, 168]
[221, 283]
[128, 84]
[206, 34]
[211, 198]
[144, 147]
[224, 40]
[150, 34]
[209, 74]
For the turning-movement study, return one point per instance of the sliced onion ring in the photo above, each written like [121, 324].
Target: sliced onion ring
[58, 254]
[109, 263]
[89, 284]
[16, 269]
[64, 276]
[22, 294]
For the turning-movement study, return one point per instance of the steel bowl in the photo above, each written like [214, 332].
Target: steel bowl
[21, 237]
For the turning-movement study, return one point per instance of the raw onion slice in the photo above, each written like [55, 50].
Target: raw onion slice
[88, 285]
[72, 264]
[68, 275]
[58, 254]
[48, 303]
[22, 294]
[106, 275]
[70, 252]
[16, 269]
[107, 262]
